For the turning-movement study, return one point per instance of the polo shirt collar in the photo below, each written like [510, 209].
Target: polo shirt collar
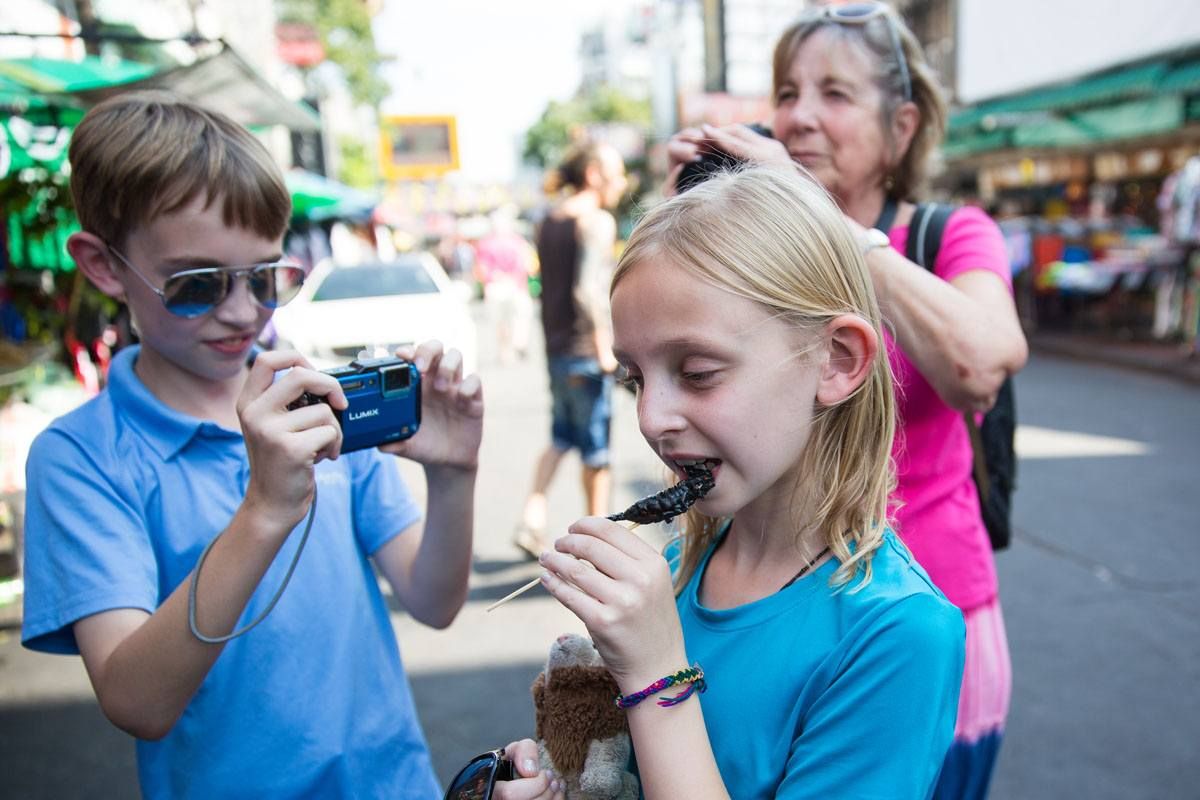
[166, 430]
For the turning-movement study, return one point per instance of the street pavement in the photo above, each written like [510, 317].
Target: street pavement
[1096, 587]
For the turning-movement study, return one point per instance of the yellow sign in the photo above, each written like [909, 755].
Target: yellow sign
[417, 148]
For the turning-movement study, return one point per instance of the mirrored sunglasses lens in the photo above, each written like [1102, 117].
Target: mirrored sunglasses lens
[274, 286]
[194, 294]
[475, 780]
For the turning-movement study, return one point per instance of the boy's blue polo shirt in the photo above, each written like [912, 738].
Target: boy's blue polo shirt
[123, 494]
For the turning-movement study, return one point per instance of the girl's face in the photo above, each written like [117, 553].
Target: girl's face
[720, 379]
[827, 114]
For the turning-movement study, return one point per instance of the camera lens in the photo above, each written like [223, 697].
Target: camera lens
[395, 378]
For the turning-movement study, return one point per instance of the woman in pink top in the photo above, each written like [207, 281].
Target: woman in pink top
[857, 105]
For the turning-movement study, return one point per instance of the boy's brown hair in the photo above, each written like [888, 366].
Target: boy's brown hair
[140, 155]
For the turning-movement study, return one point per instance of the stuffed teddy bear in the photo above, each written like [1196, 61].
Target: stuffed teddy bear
[582, 735]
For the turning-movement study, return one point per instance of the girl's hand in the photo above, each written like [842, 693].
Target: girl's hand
[620, 587]
[531, 784]
[451, 411]
[283, 444]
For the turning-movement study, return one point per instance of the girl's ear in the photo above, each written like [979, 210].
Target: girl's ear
[852, 349]
[92, 257]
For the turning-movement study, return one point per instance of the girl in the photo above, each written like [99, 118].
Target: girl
[858, 105]
[744, 316]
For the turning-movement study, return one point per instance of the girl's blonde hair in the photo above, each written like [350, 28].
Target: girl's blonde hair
[777, 238]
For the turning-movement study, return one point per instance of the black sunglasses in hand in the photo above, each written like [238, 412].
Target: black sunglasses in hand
[478, 778]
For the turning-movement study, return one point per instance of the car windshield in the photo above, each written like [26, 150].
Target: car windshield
[376, 280]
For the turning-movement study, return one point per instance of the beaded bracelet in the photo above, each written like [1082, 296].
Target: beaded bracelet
[693, 675]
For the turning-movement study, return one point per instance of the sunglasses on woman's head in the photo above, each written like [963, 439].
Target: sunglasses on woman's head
[195, 292]
[861, 14]
[478, 778]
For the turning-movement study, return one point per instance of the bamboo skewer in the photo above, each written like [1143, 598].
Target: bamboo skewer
[661, 507]
[527, 587]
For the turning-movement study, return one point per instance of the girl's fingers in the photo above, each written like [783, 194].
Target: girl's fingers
[615, 534]
[577, 601]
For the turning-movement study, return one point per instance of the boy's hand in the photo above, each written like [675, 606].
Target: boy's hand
[531, 783]
[282, 444]
[451, 411]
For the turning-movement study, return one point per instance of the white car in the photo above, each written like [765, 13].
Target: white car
[346, 312]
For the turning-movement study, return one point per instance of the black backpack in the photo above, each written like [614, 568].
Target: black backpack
[992, 440]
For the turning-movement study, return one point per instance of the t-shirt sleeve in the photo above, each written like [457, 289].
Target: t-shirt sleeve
[87, 549]
[383, 504]
[972, 241]
[882, 726]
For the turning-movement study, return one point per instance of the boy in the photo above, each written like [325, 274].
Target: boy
[189, 444]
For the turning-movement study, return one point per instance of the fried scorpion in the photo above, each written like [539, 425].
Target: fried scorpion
[670, 502]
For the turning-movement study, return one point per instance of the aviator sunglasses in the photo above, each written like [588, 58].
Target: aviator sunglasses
[861, 14]
[478, 778]
[195, 292]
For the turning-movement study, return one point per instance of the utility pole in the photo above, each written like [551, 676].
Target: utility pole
[88, 27]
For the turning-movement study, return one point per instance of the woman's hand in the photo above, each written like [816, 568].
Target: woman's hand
[530, 783]
[690, 144]
[620, 587]
[451, 411]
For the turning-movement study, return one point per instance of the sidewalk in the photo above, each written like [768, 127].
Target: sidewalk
[1169, 359]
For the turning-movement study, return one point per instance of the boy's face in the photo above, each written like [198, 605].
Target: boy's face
[213, 346]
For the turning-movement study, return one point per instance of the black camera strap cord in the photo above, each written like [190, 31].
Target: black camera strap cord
[312, 513]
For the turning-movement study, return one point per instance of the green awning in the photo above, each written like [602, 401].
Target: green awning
[1105, 124]
[1104, 88]
[316, 198]
[1140, 99]
[1185, 78]
[52, 76]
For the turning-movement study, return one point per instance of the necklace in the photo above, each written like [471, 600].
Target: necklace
[804, 570]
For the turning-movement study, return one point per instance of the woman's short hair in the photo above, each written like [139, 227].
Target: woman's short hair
[874, 38]
[140, 155]
[778, 239]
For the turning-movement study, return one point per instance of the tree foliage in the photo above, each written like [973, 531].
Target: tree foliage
[344, 27]
[563, 122]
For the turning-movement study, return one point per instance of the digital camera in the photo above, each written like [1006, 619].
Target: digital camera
[712, 161]
[384, 396]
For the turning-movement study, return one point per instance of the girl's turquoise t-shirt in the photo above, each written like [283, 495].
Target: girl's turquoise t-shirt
[818, 693]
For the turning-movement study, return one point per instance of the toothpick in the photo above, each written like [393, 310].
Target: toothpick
[528, 586]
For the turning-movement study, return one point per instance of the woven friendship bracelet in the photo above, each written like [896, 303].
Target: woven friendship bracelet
[694, 676]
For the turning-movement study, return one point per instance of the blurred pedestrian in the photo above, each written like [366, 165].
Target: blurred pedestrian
[575, 247]
[504, 262]
[857, 105]
[193, 458]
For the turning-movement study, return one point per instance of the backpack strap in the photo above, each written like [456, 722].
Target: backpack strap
[925, 231]
[924, 241]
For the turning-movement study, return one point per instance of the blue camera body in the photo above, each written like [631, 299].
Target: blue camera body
[384, 396]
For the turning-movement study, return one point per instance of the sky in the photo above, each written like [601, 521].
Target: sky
[493, 64]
